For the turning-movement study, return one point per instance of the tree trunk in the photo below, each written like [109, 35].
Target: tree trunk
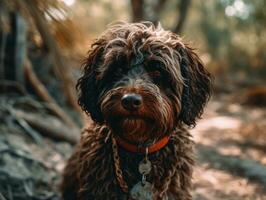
[137, 10]
[13, 49]
[61, 67]
[183, 11]
[157, 10]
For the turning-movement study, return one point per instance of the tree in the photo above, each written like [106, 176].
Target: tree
[15, 61]
[141, 12]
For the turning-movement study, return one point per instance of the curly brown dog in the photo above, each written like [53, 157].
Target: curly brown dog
[142, 86]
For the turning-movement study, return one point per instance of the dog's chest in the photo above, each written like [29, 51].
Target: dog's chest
[132, 165]
[103, 180]
[129, 165]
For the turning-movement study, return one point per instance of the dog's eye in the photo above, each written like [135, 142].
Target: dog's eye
[121, 70]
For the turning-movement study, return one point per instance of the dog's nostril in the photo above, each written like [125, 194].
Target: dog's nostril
[131, 101]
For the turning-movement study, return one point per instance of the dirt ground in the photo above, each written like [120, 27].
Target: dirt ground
[230, 151]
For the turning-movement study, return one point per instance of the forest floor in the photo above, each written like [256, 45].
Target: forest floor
[230, 150]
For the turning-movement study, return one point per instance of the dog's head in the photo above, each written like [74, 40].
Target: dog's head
[142, 81]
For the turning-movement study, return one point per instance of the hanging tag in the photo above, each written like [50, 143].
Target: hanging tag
[145, 167]
[142, 191]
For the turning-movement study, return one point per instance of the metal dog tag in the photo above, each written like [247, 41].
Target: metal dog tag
[142, 191]
[145, 167]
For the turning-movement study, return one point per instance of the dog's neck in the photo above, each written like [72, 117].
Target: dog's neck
[149, 146]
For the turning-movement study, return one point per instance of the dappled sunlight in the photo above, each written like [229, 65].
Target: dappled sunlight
[230, 150]
[239, 9]
[210, 182]
[69, 2]
[220, 122]
[244, 151]
[205, 130]
[234, 108]
[256, 155]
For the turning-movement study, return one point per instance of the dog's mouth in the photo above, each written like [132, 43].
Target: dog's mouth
[134, 118]
[135, 128]
[131, 123]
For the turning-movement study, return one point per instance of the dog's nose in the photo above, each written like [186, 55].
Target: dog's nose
[131, 101]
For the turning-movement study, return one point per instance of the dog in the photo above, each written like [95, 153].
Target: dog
[142, 87]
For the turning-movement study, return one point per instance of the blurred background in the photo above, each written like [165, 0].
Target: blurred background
[42, 45]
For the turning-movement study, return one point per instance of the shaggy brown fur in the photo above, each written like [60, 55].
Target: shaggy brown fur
[173, 87]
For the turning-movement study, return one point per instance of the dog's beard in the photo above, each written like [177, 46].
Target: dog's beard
[151, 122]
[134, 129]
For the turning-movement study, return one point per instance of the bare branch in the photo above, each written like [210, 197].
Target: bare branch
[61, 67]
[44, 94]
[50, 127]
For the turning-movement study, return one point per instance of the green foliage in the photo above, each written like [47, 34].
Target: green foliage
[234, 33]
[230, 33]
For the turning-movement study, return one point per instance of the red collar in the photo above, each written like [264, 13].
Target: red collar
[136, 149]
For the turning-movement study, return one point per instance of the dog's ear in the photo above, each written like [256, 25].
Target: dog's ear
[88, 91]
[197, 86]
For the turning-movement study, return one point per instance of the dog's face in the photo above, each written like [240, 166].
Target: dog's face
[142, 82]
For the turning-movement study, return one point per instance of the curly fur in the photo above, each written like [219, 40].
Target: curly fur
[174, 85]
